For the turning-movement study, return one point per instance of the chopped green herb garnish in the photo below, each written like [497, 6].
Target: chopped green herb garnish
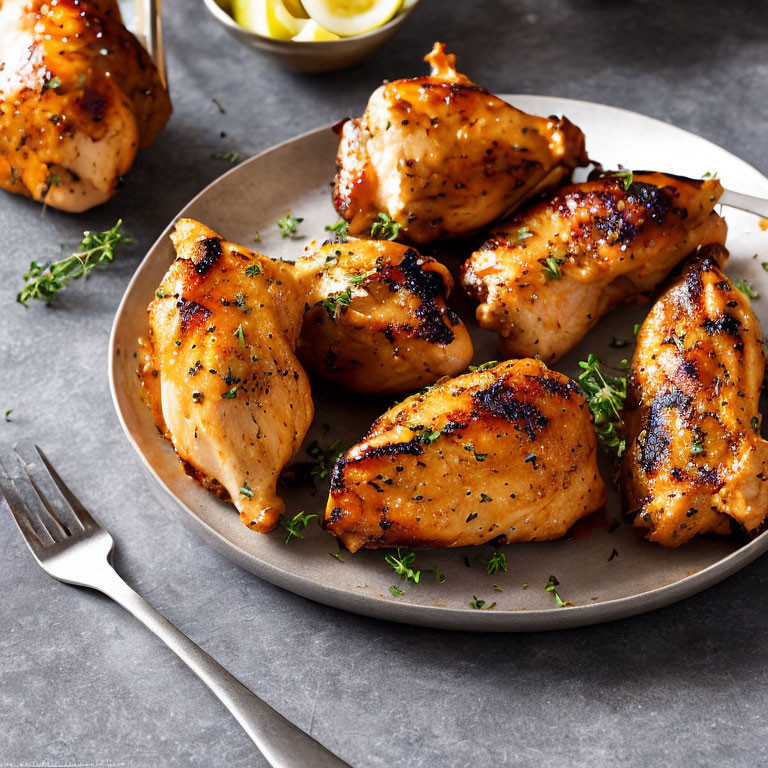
[605, 397]
[395, 591]
[439, 575]
[480, 605]
[229, 394]
[523, 233]
[325, 460]
[709, 175]
[744, 286]
[478, 456]
[697, 448]
[525, 586]
[551, 586]
[239, 302]
[754, 422]
[289, 225]
[483, 366]
[337, 555]
[8, 413]
[636, 329]
[764, 265]
[497, 588]
[257, 237]
[240, 335]
[52, 83]
[96, 248]
[385, 228]
[296, 524]
[161, 294]
[253, 270]
[551, 269]
[340, 229]
[627, 177]
[231, 157]
[245, 490]
[401, 565]
[496, 563]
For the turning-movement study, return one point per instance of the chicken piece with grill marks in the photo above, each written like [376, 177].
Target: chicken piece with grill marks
[377, 319]
[78, 97]
[696, 462]
[443, 157]
[219, 370]
[545, 278]
[503, 453]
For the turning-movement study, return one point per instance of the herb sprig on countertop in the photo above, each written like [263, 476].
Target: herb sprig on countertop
[605, 396]
[45, 281]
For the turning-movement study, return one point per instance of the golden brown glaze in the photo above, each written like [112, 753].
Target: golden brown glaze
[219, 370]
[504, 453]
[545, 278]
[78, 97]
[696, 462]
[377, 319]
[444, 157]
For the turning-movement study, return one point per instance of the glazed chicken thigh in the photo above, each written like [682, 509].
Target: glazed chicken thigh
[443, 157]
[504, 453]
[377, 319]
[219, 370]
[78, 97]
[545, 277]
[696, 462]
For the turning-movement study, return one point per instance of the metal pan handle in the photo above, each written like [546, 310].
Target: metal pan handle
[149, 28]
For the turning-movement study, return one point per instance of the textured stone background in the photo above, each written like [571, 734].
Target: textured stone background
[83, 683]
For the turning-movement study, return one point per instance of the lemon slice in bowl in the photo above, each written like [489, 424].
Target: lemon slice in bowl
[347, 18]
[314, 33]
[267, 17]
[295, 8]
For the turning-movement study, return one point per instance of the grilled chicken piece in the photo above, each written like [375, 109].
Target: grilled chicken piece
[219, 370]
[377, 319]
[78, 97]
[547, 276]
[443, 157]
[506, 453]
[696, 462]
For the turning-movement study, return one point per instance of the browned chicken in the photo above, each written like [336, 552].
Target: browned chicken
[443, 157]
[696, 462]
[219, 369]
[78, 97]
[377, 319]
[504, 453]
[545, 277]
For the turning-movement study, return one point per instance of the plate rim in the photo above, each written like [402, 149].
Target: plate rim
[440, 617]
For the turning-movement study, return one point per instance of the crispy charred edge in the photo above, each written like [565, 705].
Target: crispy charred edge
[499, 400]
[426, 285]
[607, 191]
[206, 253]
[192, 314]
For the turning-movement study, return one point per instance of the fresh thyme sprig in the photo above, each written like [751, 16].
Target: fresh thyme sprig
[483, 366]
[385, 228]
[746, 288]
[340, 229]
[401, 565]
[325, 460]
[480, 605]
[605, 396]
[551, 586]
[344, 298]
[496, 563]
[289, 225]
[551, 268]
[44, 281]
[296, 524]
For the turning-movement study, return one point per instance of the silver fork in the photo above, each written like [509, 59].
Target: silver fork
[72, 547]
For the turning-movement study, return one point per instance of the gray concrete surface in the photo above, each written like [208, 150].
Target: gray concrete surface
[82, 684]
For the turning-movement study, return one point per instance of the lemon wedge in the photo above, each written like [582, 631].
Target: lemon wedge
[351, 17]
[295, 8]
[313, 33]
[267, 17]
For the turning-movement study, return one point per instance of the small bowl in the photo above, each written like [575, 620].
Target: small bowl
[326, 56]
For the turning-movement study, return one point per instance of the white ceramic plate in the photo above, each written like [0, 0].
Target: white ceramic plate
[608, 574]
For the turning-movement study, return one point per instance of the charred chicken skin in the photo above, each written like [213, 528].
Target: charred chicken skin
[219, 369]
[505, 453]
[443, 157]
[377, 319]
[78, 97]
[696, 462]
[544, 278]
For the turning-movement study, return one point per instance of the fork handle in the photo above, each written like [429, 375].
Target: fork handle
[283, 744]
[749, 203]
